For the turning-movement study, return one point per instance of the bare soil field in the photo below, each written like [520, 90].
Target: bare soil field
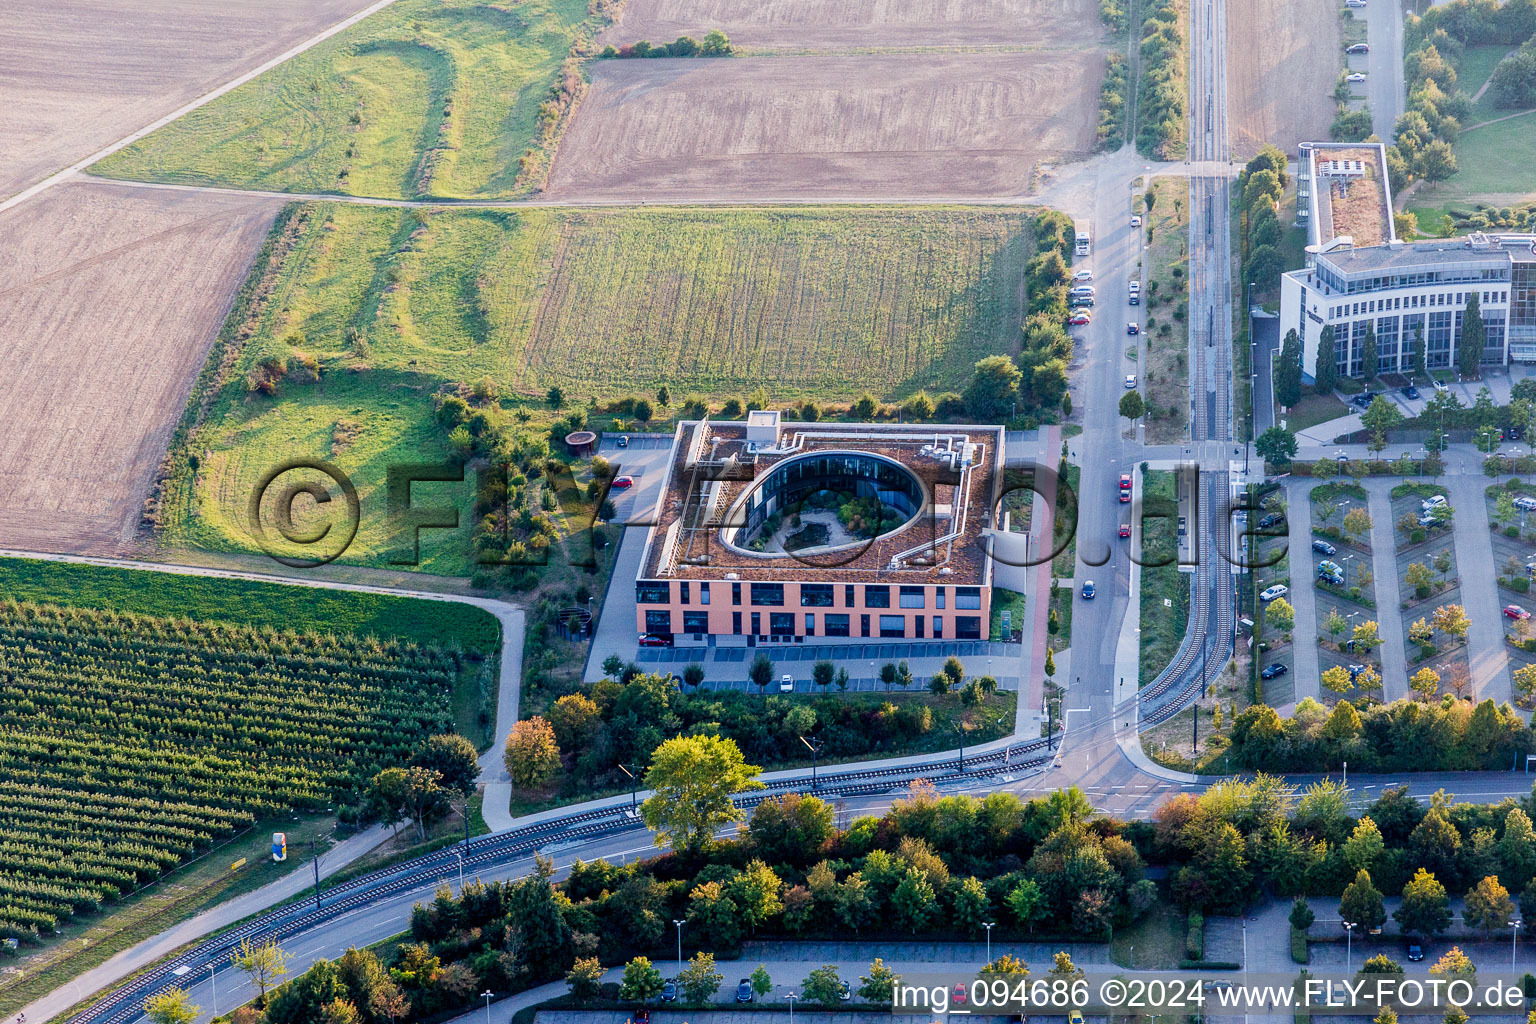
[76, 75]
[106, 315]
[1283, 56]
[809, 24]
[866, 127]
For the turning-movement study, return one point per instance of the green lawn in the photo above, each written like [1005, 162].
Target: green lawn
[1312, 410]
[1472, 71]
[393, 304]
[424, 98]
[1162, 626]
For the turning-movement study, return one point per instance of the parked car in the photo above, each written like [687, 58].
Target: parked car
[1082, 276]
[744, 990]
[1270, 593]
[1080, 318]
[1410, 392]
[1084, 289]
[1133, 328]
[1089, 590]
[622, 482]
[1415, 952]
[652, 640]
[786, 683]
[1135, 293]
[1323, 547]
[1440, 385]
[1354, 3]
[1355, 76]
[1331, 572]
[1525, 503]
[1273, 519]
[1514, 611]
[669, 992]
[1081, 300]
[623, 440]
[1130, 382]
[1432, 503]
[1135, 220]
[1363, 399]
[1125, 530]
[1354, 671]
[1271, 671]
[1125, 488]
[844, 992]
[1358, 48]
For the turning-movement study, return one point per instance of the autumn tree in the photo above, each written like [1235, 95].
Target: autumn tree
[533, 755]
[692, 779]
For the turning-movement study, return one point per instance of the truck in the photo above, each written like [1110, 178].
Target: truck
[1084, 238]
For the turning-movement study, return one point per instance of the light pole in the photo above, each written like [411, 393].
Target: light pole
[960, 731]
[1514, 934]
[814, 748]
[679, 922]
[988, 926]
[215, 985]
[460, 855]
[1349, 931]
[791, 997]
[486, 995]
[634, 781]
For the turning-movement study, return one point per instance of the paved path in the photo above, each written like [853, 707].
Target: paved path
[1303, 597]
[1486, 653]
[1389, 614]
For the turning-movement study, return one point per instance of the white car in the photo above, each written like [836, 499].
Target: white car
[1130, 382]
[787, 683]
[1083, 276]
[1278, 590]
[1429, 504]
[1442, 386]
[1356, 76]
[1525, 503]
[1354, 3]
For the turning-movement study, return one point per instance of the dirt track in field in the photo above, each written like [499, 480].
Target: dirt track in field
[801, 24]
[871, 125]
[76, 75]
[1283, 56]
[106, 315]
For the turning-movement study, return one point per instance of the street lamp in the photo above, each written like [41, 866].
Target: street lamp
[486, 995]
[459, 854]
[791, 997]
[1349, 931]
[215, 985]
[1514, 934]
[814, 748]
[679, 922]
[634, 782]
[988, 926]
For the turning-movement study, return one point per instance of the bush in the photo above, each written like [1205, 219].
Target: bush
[1416, 537]
[1298, 946]
[1194, 938]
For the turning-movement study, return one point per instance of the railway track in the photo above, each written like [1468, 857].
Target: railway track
[126, 1003]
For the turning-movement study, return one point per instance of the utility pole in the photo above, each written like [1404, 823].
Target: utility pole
[215, 985]
[630, 769]
[315, 859]
[960, 729]
[988, 926]
[815, 748]
[679, 923]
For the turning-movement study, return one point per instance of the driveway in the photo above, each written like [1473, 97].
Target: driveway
[1304, 667]
[1486, 654]
[1389, 614]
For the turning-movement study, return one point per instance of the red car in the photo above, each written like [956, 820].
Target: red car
[623, 481]
[1080, 318]
[1125, 487]
[1125, 530]
[652, 640]
[1514, 611]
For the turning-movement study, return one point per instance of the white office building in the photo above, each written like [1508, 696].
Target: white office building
[1397, 288]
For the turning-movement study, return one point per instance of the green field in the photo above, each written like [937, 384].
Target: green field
[392, 304]
[1162, 626]
[251, 604]
[425, 98]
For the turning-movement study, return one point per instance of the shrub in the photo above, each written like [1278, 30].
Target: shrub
[1299, 945]
[1194, 938]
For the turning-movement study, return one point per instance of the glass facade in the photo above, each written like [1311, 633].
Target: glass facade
[847, 475]
[1387, 352]
[1522, 311]
[1437, 340]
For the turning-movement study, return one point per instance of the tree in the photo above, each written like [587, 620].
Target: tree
[1426, 908]
[864, 407]
[1454, 965]
[262, 962]
[1336, 680]
[585, 978]
[173, 1006]
[693, 779]
[1367, 637]
[888, 674]
[1365, 846]
[761, 672]
[1335, 623]
[1325, 371]
[1474, 335]
[712, 916]
[1419, 578]
[914, 900]
[716, 44]
[1418, 348]
[1488, 906]
[1380, 417]
[1436, 161]
[555, 398]
[822, 673]
[1368, 354]
[993, 390]
[1280, 614]
[1451, 619]
[1387, 1015]
[1277, 445]
[757, 893]
[1525, 680]
[1301, 915]
[455, 760]
[762, 983]
[532, 756]
[879, 985]
[1064, 969]
[1362, 903]
[971, 906]
[1357, 523]
[1425, 683]
[1288, 370]
[1027, 902]
[823, 986]
[641, 983]
[700, 981]
[953, 670]
[1132, 407]
[693, 675]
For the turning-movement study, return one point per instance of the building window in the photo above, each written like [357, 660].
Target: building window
[877, 597]
[968, 597]
[1387, 354]
[938, 597]
[863, 625]
[967, 627]
[816, 595]
[768, 594]
[938, 627]
[893, 625]
[682, 589]
[836, 625]
[917, 620]
[658, 620]
[848, 599]
[703, 593]
[781, 623]
[735, 593]
[653, 593]
[810, 623]
[912, 597]
[736, 623]
[695, 622]
[757, 623]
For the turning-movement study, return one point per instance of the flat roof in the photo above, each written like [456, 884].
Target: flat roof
[1359, 202]
[1406, 255]
[713, 465]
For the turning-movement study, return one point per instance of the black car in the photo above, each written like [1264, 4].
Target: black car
[1324, 547]
[744, 991]
[1415, 952]
[1273, 519]
[1271, 671]
[1363, 399]
[1410, 392]
[669, 992]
